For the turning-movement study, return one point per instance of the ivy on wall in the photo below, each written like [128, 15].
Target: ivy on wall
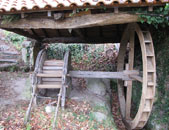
[159, 16]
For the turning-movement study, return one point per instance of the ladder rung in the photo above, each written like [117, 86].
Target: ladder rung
[150, 54]
[49, 86]
[53, 63]
[52, 68]
[47, 97]
[140, 124]
[51, 83]
[148, 109]
[52, 72]
[150, 83]
[150, 97]
[150, 70]
[143, 119]
[49, 75]
[147, 41]
[52, 79]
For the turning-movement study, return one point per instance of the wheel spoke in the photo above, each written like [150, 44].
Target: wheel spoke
[136, 77]
[130, 67]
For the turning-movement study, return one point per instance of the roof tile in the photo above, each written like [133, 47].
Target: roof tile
[18, 5]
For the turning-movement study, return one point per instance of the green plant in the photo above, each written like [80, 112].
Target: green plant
[82, 118]
[28, 127]
[15, 39]
[10, 18]
[159, 16]
[78, 11]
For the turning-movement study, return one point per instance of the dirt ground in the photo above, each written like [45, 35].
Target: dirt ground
[14, 100]
[14, 87]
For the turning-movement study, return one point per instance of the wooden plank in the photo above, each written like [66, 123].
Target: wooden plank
[150, 83]
[52, 68]
[8, 60]
[136, 77]
[89, 20]
[144, 116]
[52, 72]
[64, 80]
[53, 63]
[131, 72]
[99, 74]
[58, 61]
[52, 79]
[47, 86]
[51, 83]
[127, 68]
[49, 75]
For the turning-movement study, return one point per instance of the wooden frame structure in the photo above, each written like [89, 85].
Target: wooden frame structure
[47, 76]
[116, 24]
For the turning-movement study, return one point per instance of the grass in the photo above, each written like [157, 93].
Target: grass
[28, 127]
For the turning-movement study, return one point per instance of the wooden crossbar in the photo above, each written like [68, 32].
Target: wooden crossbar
[124, 75]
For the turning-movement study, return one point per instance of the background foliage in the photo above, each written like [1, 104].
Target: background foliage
[85, 56]
[161, 106]
[14, 39]
[159, 16]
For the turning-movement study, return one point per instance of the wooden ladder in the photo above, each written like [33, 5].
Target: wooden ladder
[49, 74]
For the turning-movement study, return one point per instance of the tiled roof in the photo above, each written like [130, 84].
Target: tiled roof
[33, 5]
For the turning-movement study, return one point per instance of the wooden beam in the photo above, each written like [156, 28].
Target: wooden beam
[130, 83]
[99, 74]
[136, 77]
[80, 40]
[84, 21]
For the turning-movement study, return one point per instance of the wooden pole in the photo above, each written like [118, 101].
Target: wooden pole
[36, 50]
[129, 83]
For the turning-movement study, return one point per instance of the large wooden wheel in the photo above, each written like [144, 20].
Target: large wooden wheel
[147, 80]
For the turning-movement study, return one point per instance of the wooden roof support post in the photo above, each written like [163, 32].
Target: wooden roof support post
[22, 15]
[150, 8]
[49, 14]
[36, 50]
[116, 10]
